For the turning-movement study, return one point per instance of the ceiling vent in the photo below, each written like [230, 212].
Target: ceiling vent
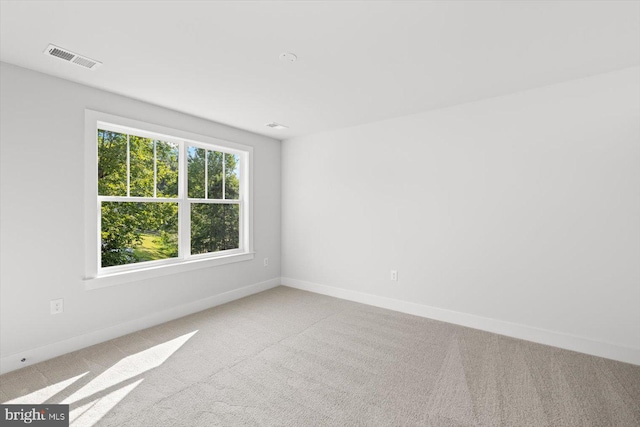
[74, 58]
[274, 125]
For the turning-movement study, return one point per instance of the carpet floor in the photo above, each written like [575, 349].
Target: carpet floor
[286, 357]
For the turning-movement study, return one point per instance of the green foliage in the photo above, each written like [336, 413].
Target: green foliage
[135, 232]
[112, 163]
[214, 227]
[214, 174]
[195, 172]
[124, 224]
[166, 169]
[141, 166]
[232, 178]
[154, 247]
[214, 182]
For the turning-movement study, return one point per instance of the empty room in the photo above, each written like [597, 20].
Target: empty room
[320, 213]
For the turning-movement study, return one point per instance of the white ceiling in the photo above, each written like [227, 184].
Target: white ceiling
[357, 61]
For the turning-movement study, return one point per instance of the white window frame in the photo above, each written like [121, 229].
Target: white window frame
[95, 275]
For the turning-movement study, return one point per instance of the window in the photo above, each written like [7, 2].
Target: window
[164, 197]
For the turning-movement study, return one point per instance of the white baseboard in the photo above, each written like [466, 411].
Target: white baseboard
[542, 336]
[514, 330]
[39, 354]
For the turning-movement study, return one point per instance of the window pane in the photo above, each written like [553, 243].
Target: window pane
[214, 227]
[112, 163]
[214, 174]
[166, 169]
[141, 166]
[232, 176]
[137, 232]
[195, 173]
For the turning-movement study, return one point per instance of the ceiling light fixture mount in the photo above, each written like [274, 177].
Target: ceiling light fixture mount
[274, 125]
[288, 57]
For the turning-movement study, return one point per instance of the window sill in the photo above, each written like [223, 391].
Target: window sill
[113, 279]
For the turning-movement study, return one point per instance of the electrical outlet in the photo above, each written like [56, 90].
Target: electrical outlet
[57, 306]
[266, 262]
[394, 275]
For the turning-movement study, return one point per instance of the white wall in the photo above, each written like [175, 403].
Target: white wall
[42, 207]
[523, 209]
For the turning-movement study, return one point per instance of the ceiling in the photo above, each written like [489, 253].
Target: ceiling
[358, 62]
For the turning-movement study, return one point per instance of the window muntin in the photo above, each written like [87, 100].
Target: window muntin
[214, 197]
[139, 173]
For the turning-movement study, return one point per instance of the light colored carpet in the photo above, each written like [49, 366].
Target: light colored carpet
[291, 358]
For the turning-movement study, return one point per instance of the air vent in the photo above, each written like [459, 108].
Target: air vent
[71, 57]
[274, 125]
[67, 56]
